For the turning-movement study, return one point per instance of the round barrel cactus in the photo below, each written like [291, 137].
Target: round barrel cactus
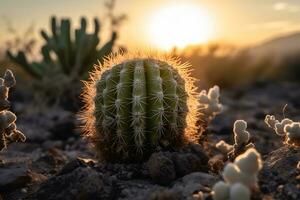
[134, 103]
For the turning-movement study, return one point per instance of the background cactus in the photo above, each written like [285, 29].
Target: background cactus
[135, 103]
[75, 51]
[8, 128]
[67, 56]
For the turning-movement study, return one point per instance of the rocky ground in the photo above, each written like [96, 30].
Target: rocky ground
[55, 163]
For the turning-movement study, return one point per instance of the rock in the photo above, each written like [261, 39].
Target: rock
[199, 151]
[216, 163]
[191, 159]
[187, 163]
[198, 178]
[49, 162]
[13, 176]
[45, 164]
[164, 167]
[48, 144]
[279, 173]
[70, 166]
[134, 189]
[161, 168]
[165, 194]
[193, 183]
[36, 178]
[34, 132]
[222, 125]
[283, 161]
[63, 125]
[81, 183]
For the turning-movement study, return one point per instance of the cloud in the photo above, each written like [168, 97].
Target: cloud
[282, 6]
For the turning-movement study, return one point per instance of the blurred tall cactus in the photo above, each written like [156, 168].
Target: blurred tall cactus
[67, 56]
[74, 51]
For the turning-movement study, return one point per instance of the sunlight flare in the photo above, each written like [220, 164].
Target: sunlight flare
[180, 25]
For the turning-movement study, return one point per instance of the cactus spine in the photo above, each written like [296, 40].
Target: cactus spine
[135, 103]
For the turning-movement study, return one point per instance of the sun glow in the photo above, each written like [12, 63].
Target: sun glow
[180, 25]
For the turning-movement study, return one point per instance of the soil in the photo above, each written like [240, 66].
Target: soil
[56, 163]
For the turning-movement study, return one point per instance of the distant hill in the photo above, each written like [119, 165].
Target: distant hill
[278, 46]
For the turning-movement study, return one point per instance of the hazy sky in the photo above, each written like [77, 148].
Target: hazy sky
[240, 21]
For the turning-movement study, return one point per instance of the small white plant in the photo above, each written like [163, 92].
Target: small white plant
[293, 133]
[241, 140]
[237, 191]
[286, 128]
[209, 103]
[279, 127]
[241, 135]
[224, 147]
[8, 127]
[270, 120]
[240, 177]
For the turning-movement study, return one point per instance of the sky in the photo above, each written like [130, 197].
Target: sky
[241, 22]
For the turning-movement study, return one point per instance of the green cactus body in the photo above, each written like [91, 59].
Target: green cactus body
[135, 104]
[75, 50]
[68, 54]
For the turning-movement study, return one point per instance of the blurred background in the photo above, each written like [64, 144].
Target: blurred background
[250, 48]
[51, 45]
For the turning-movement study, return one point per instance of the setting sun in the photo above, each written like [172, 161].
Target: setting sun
[180, 25]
